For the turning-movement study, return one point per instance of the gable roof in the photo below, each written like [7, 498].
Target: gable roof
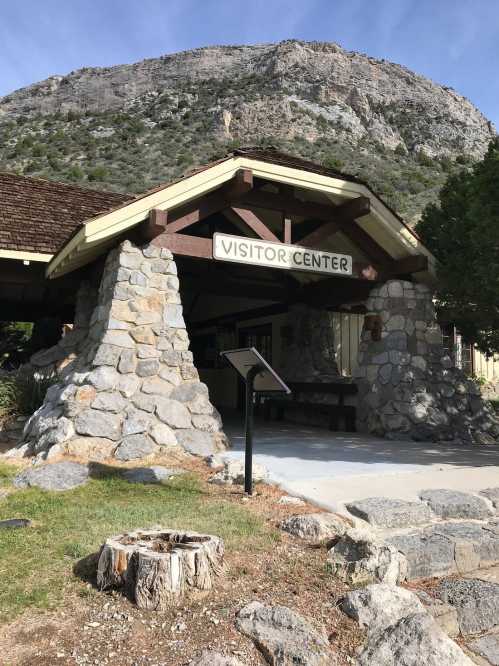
[37, 216]
[382, 223]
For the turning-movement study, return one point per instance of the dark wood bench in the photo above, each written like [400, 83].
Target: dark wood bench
[335, 413]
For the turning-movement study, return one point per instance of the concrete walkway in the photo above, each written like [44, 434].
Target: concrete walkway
[330, 468]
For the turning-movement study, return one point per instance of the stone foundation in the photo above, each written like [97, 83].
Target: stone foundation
[128, 387]
[408, 387]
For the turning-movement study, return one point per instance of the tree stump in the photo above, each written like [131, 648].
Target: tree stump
[156, 566]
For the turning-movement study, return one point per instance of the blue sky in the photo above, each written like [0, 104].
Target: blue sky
[454, 42]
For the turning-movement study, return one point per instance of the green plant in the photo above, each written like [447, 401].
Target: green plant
[23, 392]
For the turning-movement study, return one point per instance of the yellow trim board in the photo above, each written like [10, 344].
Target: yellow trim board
[104, 227]
[21, 255]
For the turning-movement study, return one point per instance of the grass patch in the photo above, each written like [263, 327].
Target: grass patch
[36, 564]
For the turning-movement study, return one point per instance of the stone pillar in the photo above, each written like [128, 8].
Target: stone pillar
[408, 387]
[308, 350]
[131, 390]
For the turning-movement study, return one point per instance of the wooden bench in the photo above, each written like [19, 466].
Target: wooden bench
[335, 413]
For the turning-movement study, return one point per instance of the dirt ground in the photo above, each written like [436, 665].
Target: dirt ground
[92, 627]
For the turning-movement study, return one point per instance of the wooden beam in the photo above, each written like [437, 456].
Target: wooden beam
[287, 230]
[346, 212]
[156, 224]
[415, 263]
[189, 246]
[217, 282]
[254, 223]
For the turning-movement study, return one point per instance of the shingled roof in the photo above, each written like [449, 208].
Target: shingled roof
[40, 215]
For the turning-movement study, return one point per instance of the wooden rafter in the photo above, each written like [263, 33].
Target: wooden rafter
[255, 224]
[341, 216]
[287, 230]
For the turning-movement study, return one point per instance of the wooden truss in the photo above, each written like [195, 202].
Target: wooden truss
[238, 200]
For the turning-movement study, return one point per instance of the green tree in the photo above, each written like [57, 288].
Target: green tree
[463, 233]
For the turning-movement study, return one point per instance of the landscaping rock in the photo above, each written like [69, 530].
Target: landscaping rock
[455, 504]
[444, 614]
[385, 512]
[476, 602]
[15, 523]
[376, 607]
[446, 549]
[155, 474]
[57, 476]
[359, 558]
[284, 637]
[315, 526]
[210, 658]
[288, 499]
[487, 647]
[491, 494]
[232, 474]
[412, 641]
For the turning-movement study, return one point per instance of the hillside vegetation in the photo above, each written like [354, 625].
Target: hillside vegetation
[130, 127]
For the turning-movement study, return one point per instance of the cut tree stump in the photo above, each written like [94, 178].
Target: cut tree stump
[155, 567]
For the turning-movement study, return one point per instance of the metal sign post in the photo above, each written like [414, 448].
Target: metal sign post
[259, 377]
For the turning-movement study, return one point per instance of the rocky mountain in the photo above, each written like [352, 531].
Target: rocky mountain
[130, 127]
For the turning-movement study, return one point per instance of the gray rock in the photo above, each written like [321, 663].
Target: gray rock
[315, 526]
[210, 658]
[172, 316]
[233, 474]
[196, 442]
[386, 512]
[491, 494]
[476, 602]
[444, 614]
[376, 607]
[109, 402]
[135, 446]
[412, 641]
[103, 378]
[57, 476]
[487, 647]
[455, 504]
[189, 391]
[289, 499]
[154, 474]
[147, 367]
[173, 413]
[98, 424]
[284, 637]
[359, 558]
[14, 523]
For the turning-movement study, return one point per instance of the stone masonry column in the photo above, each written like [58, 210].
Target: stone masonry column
[131, 390]
[309, 353]
[408, 387]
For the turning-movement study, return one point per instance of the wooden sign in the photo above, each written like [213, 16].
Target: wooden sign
[279, 255]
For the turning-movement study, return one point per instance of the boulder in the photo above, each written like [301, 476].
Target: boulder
[378, 606]
[444, 614]
[14, 523]
[57, 476]
[315, 526]
[232, 474]
[154, 474]
[455, 504]
[476, 602]
[412, 641]
[444, 549]
[386, 512]
[210, 658]
[359, 558]
[491, 494]
[98, 424]
[284, 637]
[487, 647]
[289, 499]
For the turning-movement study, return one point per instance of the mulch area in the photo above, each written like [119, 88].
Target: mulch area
[91, 627]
